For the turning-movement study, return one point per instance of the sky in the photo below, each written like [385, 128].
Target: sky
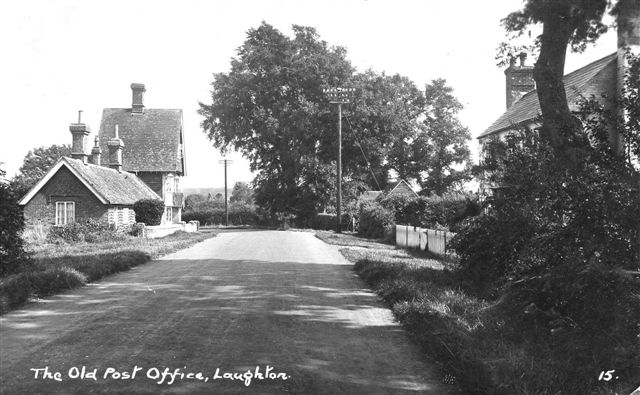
[62, 56]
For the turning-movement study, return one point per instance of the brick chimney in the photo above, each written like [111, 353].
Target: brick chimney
[96, 153]
[519, 80]
[79, 132]
[115, 152]
[137, 102]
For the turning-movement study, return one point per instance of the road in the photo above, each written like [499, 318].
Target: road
[284, 303]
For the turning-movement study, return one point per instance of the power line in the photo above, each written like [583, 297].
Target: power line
[362, 151]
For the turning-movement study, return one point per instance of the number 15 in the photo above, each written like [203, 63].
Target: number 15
[606, 376]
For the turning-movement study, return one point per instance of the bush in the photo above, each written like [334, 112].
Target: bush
[324, 221]
[376, 221]
[559, 244]
[12, 254]
[18, 288]
[432, 212]
[90, 231]
[149, 211]
[239, 214]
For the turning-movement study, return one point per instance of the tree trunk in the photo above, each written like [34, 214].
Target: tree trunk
[559, 127]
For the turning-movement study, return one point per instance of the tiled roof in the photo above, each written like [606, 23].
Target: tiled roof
[114, 187]
[152, 140]
[596, 78]
[370, 195]
[403, 188]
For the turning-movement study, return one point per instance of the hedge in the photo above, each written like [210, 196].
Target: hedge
[149, 211]
[376, 221]
[243, 215]
[434, 213]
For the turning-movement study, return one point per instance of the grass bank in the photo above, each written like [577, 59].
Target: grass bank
[57, 267]
[467, 336]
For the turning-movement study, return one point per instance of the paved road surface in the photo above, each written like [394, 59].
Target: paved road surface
[266, 299]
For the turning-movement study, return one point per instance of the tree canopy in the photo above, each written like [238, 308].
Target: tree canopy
[241, 193]
[271, 107]
[441, 153]
[35, 165]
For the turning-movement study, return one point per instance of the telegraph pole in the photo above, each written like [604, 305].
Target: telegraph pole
[226, 209]
[339, 96]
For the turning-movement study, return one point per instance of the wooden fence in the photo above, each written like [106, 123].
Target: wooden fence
[434, 241]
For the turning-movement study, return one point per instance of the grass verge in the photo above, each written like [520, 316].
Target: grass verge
[469, 337]
[57, 267]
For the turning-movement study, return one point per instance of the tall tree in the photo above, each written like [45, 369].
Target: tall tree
[440, 151]
[35, 165]
[241, 193]
[385, 116]
[271, 107]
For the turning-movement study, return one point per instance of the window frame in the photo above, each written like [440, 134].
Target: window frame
[64, 220]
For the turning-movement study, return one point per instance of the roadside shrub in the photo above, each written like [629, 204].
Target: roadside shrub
[53, 280]
[446, 212]
[239, 214]
[12, 254]
[108, 263]
[325, 221]
[149, 211]
[407, 210]
[90, 231]
[376, 221]
[560, 243]
[14, 291]
[18, 288]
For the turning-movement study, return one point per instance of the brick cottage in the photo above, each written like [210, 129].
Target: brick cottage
[145, 161]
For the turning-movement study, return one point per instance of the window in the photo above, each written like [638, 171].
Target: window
[65, 213]
[168, 218]
[169, 184]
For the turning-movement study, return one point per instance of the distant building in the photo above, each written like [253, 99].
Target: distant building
[402, 188]
[145, 161]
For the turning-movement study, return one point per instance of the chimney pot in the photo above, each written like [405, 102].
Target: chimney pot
[115, 151]
[137, 102]
[523, 59]
[79, 133]
[96, 152]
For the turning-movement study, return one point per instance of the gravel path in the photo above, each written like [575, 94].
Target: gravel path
[282, 303]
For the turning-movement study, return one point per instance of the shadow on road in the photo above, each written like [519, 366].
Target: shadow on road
[316, 322]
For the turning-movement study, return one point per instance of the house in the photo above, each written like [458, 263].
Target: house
[597, 78]
[77, 188]
[402, 188]
[145, 161]
[153, 147]
[602, 79]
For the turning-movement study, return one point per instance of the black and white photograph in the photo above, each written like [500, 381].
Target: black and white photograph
[320, 197]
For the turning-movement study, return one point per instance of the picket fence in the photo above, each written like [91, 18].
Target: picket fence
[431, 240]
